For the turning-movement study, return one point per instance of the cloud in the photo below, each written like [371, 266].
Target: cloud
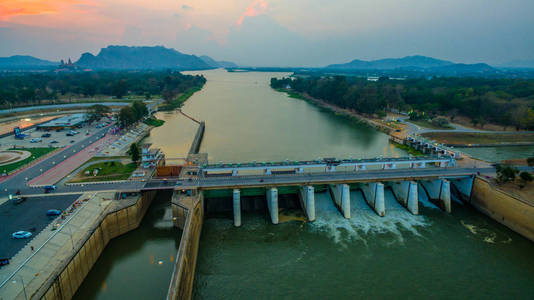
[186, 7]
[256, 8]
[10, 9]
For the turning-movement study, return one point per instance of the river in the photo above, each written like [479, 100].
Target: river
[433, 255]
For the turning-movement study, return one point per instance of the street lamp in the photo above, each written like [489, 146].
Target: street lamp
[23, 286]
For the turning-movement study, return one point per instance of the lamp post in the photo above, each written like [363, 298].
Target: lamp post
[23, 286]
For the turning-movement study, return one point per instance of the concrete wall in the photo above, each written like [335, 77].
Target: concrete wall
[515, 213]
[197, 141]
[65, 284]
[181, 286]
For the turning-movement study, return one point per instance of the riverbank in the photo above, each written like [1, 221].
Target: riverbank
[180, 99]
[390, 128]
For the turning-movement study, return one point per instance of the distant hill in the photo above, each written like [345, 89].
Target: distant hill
[217, 64]
[141, 58]
[465, 69]
[519, 64]
[416, 61]
[24, 62]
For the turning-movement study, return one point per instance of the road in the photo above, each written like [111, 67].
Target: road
[19, 180]
[29, 215]
[315, 178]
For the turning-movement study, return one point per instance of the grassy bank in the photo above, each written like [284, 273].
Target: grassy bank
[110, 170]
[153, 121]
[466, 138]
[179, 101]
[35, 154]
[409, 149]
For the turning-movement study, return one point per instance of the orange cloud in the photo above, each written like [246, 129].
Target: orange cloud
[12, 8]
[257, 7]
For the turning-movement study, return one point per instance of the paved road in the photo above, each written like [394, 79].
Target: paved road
[29, 215]
[416, 129]
[19, 180]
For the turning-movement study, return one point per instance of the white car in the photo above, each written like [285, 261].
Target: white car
[36, 140]
[21, 235]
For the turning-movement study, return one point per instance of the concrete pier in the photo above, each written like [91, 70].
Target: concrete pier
[307, 200]
[439, 192]
[463, 187]
[341, 195]
[237, 207]
[374, 196]
[272, 204]
[406, 194]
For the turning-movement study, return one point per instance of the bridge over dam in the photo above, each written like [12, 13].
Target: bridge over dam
[236, 187]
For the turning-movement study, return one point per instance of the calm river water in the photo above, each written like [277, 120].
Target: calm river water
[433, 255]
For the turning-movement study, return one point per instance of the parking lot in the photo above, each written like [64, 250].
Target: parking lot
[57, 138]
[29, 215]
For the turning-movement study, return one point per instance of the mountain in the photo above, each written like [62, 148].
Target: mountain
[24, 62]
[136, 58]
[465, 70]
[217, 64]
[416, 61]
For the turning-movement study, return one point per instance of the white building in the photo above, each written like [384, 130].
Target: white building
[150, 158]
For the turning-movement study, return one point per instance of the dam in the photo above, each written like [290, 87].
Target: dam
[401, 254]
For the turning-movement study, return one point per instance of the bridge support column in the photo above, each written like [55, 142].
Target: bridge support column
[272, 204]
[237, 207]
[307, 201]
[406, 194]
[374, 196]
[439, 192]
[341, 195]
[234, 172]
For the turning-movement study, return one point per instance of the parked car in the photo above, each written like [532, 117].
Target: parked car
[69, 134]
[54, 142]
[46, 135]
[36, 140]
[21, 235]
[53, 212]
[72, 141]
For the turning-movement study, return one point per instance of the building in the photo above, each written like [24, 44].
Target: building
[65, 122]
[151, 158]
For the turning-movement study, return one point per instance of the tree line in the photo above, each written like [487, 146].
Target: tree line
[507, 102]
[21, 89]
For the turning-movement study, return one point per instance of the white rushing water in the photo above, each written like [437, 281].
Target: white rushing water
[364, 223]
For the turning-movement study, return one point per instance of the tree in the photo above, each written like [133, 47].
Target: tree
[506, 173]
[126, 116]
[530, 161]
[134, 152]
[96, 112]
[140, 109]
[120, 88]
[526, 176]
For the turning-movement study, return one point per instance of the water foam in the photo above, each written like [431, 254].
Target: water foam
[365, 223]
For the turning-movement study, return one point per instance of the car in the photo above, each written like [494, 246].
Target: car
[70, 134]
[18, 200]
[72, 141]
[53, 212]
[36, 140]
[46, 135]
[58, 130]
[54, 142]
[21, 234]
[49, 188]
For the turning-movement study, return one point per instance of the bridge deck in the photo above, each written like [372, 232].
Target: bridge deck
[229, 182]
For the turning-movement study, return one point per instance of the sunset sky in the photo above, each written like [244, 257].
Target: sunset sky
[275, 32]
